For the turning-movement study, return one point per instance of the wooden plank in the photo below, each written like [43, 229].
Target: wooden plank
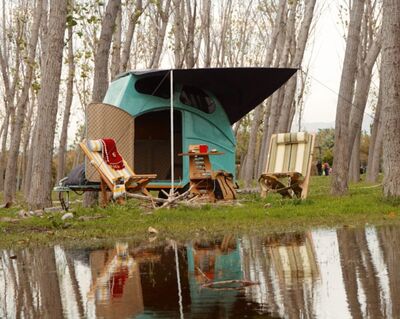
[306, 181]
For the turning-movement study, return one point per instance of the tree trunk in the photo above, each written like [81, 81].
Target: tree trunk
[100, 83]
[9, 88]
[354, 175]
[3, 156]
[226, 20]
[129, 35]
[377, 156]
[361, 94]
[391, 97]
[290, 87]
[178, 32]
[276, 44]
[206, 21]
[273, 102]
[40, 193]
[189, 50]
[25, 141]
[251, 151]
[29, 163]
[339, 185]
[237, 127]
[67, 111]
[375, 142]
[116, 47]
[10, 182]
[262, 157]
[159, 40]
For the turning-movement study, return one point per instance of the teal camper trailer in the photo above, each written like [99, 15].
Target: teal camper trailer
[204, 103]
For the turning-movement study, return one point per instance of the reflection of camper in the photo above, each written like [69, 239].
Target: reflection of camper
[209, 256]
[213, 261]
[116, 287]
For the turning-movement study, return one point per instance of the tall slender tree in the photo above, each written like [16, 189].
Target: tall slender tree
[68, 102]
[391, 97]
[133, 20]
[40, 192]
[339, 184]
[375, 143]
[257, 114]
[11, 170]
[100, 82]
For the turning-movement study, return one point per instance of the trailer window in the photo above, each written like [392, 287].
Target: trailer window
[197, 98]
[154, 85]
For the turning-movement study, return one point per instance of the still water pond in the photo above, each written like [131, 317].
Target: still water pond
[344, 273]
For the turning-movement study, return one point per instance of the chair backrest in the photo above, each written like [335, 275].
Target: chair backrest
[95, 156]
[290, 152]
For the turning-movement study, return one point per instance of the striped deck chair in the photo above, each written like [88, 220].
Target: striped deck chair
[117, 181]
[288, 165]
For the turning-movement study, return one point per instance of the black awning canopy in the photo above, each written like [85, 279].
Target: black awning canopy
[239, 90]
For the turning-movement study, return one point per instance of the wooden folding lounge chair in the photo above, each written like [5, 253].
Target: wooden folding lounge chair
[113, 180]
[288, 165]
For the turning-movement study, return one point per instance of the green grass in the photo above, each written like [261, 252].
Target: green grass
[364, 205]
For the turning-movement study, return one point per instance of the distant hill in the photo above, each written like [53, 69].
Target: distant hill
[314, 126]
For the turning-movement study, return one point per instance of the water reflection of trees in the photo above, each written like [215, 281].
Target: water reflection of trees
[389, 239]
[125, 281]
[359, 273]
[30, 283]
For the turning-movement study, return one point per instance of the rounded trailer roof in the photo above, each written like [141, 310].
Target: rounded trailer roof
[239, 90]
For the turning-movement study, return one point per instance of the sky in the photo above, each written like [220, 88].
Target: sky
[326, 58]
[325, 55]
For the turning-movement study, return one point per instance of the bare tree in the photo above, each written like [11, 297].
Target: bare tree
[26, 139]
[190, 56]
[369, 49]
[285, 120]
[163, 13]
[11, 170]
[116, 47]
[391, 97]
[10, 79]
[257, 115]
[339, 184]
[133, 20]
[375, 143]
[68, 104]
[205, 28]
[280, 108]
[178, 28]
[40, 195]
[100, 83]
[278, 45]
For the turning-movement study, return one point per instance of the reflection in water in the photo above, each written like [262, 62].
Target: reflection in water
[344, 273]
[286, 268]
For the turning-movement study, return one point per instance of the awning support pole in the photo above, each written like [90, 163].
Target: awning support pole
[171, 193]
